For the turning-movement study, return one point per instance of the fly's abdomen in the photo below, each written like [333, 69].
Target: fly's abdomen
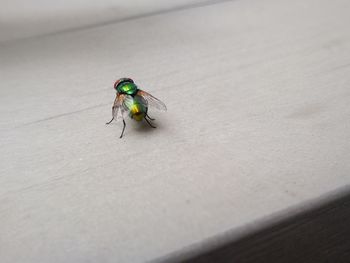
[137, 107]
[137, 111]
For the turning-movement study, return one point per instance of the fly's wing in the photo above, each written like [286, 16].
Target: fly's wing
[152, 101]
[128, 102]
[120, 108]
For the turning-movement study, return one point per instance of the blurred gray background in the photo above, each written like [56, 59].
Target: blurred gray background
[20, 18]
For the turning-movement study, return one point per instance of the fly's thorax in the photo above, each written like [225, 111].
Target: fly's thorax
[127, 88]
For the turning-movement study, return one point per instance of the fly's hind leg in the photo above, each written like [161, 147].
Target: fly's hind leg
[150, 124]
[150, 117]
[121, 135]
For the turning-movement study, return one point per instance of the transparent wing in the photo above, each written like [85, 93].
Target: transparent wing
[120, 108]
[152, 101]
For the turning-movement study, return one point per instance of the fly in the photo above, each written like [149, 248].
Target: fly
[133, 102]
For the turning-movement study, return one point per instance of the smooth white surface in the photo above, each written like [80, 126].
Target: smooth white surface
[258, 121]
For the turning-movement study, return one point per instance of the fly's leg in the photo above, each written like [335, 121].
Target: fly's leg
[110, 121]
[112, 116]
[150, 123]
[121, 135]
[150, 117]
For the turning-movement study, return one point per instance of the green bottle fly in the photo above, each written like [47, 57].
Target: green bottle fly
[133, 102]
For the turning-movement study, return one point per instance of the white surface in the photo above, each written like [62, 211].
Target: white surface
[258, 121]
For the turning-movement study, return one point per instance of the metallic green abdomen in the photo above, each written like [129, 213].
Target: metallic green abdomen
[137, 108]
[127, 88]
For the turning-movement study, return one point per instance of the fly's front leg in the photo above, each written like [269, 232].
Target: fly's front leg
[112, 116]
[110, 121]
[121, 135]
